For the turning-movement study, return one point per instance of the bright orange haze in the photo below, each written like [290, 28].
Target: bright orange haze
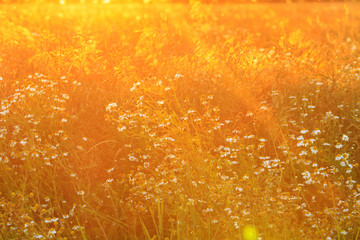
[179, 121]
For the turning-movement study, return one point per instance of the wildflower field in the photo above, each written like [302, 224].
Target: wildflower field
[180, 121]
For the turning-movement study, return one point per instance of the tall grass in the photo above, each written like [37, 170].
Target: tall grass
[178, 121]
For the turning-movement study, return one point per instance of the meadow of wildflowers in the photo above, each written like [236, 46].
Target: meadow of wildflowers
[170, 121]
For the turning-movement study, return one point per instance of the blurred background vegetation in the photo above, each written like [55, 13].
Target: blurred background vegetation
[166, 1]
